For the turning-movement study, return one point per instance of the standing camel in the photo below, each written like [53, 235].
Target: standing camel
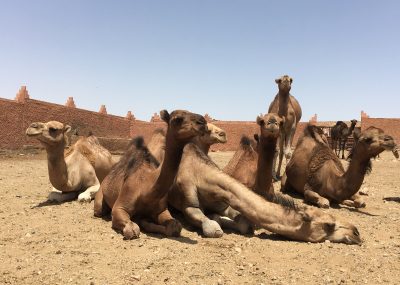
[286, 106]
[77, 171]
[340, 133]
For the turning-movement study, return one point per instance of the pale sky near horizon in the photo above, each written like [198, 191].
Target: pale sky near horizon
[210, 56]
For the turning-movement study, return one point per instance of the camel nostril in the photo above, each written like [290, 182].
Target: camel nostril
[222, 134]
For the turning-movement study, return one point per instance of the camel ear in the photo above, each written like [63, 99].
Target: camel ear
[278, 80]
[260, 121]
[329, 227]
[165, 116]
[256, 137]
[67, 129]
[291, 80]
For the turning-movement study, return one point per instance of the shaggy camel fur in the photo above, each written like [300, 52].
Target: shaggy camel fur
[139, 191]
[340, 133]
[254, 168]
[79, 170]
[189, 197]
[286, 106]
[294, 222]
[316, 171]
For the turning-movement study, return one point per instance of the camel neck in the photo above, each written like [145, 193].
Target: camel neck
[352, 126]
[270, 216]
[352, 179]
[57, 167]
[169, 168]
[266, 150]
[283, 102]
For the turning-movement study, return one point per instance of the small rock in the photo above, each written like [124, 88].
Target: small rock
[238, 249]
[28, 235]
[136, 277]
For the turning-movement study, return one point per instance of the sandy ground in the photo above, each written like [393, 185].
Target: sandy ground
[43, 243]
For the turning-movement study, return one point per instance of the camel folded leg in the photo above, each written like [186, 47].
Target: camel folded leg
[89, 193]
[355, 201]
[100, 208]
[172, 226]
[234, 220]
[58, 196]
[196, 217]
[121, 222]
[314, 198]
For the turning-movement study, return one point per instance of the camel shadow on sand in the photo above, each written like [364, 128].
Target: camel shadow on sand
[392, 199]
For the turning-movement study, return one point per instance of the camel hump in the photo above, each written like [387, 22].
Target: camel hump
[159, 131]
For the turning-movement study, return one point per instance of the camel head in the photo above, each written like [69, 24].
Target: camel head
[284, 83]
[316, 133]
[270, 125]
[49, 134]
[373, 141]
[320, 226]
[184, 125]
[213, 135]
[353, 122]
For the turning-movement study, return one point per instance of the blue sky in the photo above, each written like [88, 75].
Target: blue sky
[208, 56]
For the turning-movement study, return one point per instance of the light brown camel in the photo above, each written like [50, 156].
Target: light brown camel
[79, 170]
[139, 191]
[294, 222]
[317, 172]
[339, 134]
[286, 106]
[195, 202]
[253, 167]
[156, 144]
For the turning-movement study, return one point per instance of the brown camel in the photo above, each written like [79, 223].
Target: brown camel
[79, 170]
[286, 106]
[316, 171]
[253, 167]
[294, 222]
[340, 133]
[140, 190]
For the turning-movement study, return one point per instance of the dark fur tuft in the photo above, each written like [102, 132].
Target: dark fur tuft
[285, 201]
[245, 141]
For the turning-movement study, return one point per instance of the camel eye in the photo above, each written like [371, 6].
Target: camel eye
[52, 130]
[356, 233]
[368, 140]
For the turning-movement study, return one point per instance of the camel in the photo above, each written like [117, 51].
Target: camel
[187, 196]
[317, 173]
[302, 223]
[340, 133]
[286, 106]
[136, 190]
[79, 170]
[253, 167]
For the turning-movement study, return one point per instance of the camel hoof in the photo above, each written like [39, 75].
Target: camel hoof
[84, 198]
[324, 205]
[358, 204]
[211, 229]
[243, 225]
[131, 231]
[173, 228]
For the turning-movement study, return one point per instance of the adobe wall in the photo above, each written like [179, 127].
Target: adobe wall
[390, 126]
[16, 117]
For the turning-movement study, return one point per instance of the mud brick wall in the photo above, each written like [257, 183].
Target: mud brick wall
[16, 117]
[390, 126]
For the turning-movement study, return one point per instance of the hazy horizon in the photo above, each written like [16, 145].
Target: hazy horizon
[215, 57]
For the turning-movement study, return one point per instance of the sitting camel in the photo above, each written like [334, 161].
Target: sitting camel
[137, 189]
[316, 171]
[340, 133]
[253, 167]
[190, 198]
[286, 106]
[79, 170]
[294, 222]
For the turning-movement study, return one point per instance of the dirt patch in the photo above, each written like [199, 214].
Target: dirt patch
[44, 243]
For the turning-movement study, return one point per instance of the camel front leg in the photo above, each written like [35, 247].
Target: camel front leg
[281, 150]
[172, 226]
[274, 176]
[89, 193]
[314, 198]
[60, 197]
[355, 201]
[234, 221]
[121, 222]
[196, 217]
[288, 142]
